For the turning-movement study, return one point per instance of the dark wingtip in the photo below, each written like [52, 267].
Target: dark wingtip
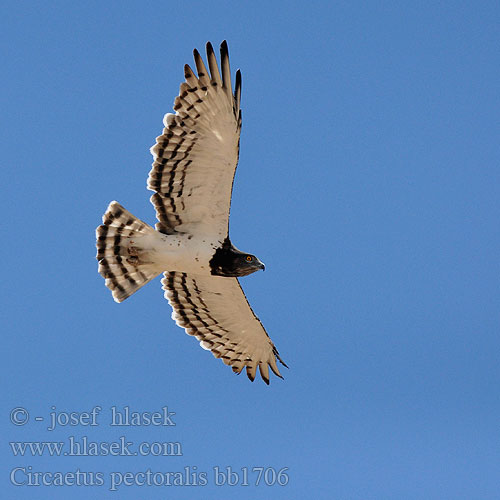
[249, 375]
[210, 49]
[277, 354]
[223, 48]
[237, 91]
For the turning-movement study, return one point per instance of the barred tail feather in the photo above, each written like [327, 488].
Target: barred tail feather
[121, 262]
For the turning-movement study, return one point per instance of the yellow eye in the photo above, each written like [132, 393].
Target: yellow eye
[249, 258]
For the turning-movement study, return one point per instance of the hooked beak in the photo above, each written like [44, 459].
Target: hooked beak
[262, 266]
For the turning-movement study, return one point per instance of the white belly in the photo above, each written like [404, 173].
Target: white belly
[179, 252]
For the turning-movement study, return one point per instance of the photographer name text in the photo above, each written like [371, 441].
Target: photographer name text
[117, 417]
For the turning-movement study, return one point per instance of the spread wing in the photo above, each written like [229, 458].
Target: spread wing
[215, 310]
[196, 156]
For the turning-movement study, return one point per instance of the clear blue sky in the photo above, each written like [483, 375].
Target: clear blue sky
[369, 185]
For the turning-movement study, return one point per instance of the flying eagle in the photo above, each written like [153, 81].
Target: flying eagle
[192, 176]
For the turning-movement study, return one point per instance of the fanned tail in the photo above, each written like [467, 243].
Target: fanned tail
[122, 262]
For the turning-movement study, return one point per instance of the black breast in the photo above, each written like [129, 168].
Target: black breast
[229, 261]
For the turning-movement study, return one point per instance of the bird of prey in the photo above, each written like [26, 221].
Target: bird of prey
[194, 164]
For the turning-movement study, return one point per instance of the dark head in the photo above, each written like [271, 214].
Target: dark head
[229, 261]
